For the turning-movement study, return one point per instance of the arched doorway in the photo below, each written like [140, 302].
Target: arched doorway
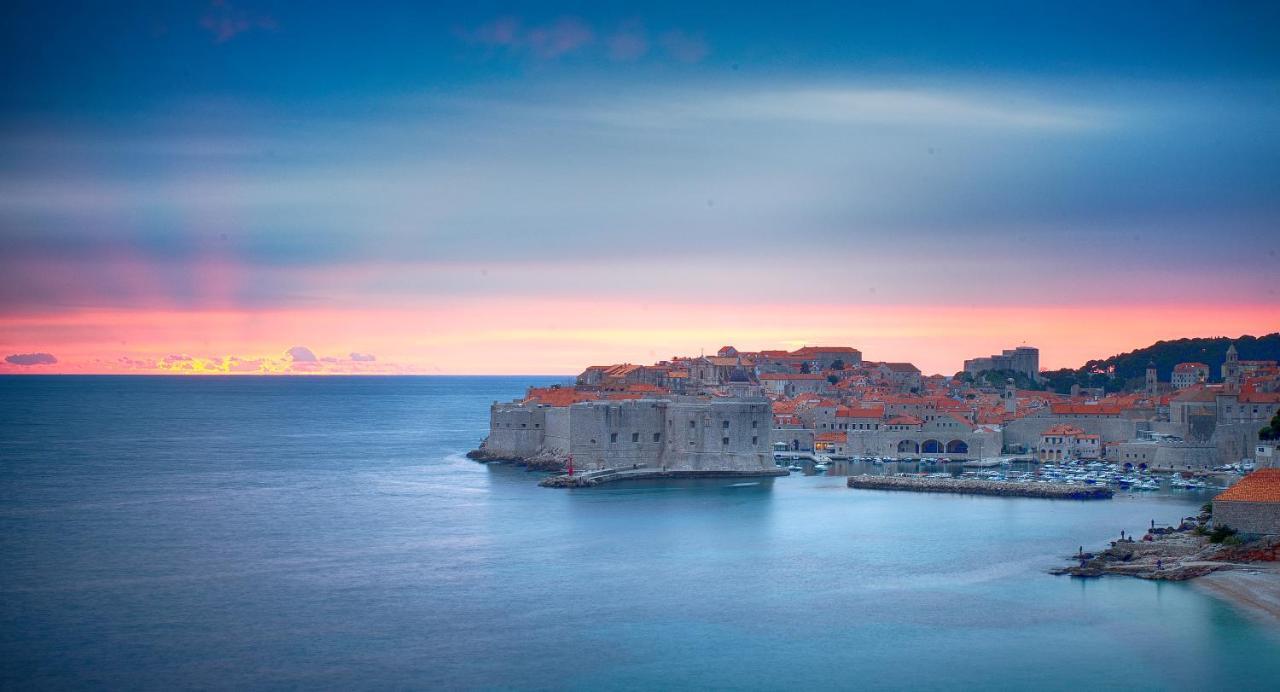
[795, 445]
[957, 447]
[908, 446]
[931, 447]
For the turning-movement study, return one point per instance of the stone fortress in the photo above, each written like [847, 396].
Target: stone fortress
[729, 413]
[681, 434]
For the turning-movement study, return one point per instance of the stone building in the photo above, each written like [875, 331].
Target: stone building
[670, 434]
[1023, 359]
[1063, 442]
[1252, 505]
[1187, 374]
[908, 437]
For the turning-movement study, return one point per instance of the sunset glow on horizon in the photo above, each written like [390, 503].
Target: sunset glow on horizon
[242, 188]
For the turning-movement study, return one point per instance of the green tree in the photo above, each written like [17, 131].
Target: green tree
[1272, 431]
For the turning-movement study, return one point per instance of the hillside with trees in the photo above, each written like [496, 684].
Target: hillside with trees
[1127, 371]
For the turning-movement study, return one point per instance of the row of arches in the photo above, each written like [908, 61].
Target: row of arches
[933, 447]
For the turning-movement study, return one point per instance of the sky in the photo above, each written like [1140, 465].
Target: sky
[535, 187]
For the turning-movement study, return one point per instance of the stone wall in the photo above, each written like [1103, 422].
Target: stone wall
[1026, 431]
[667, 434]
[884, 443]
[791, 436]
[1248, 517]
[515, 431]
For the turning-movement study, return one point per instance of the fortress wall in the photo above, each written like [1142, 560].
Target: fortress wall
[719, 436]
[556, 438]
[1186, 456]
[617, 434]
[884, 443]
[731, 435]
[515, 431]
[1235, 441]
[1027, 431]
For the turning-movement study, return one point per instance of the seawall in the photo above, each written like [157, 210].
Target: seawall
[591, 479]
[969, 486]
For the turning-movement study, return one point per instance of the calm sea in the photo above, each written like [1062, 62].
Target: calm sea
[327, 532]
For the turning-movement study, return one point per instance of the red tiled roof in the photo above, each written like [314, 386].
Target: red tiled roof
[901, 367]
[558, 396]
[1061, 408]
[1260, 486]
[809, 350]
[849, 412]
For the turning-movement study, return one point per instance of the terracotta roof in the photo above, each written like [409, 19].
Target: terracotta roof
[1260, 486]
[901, 367]
[1187, 367]
[1065, 430]
[1260, 398]
[1196, 394]
[790, 376]
[849, 412]
[808, 350]
[831, 437]
[557, 396]
[904, 420]
[1085, 409]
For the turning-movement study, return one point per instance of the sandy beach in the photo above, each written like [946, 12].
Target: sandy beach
[1255, 588]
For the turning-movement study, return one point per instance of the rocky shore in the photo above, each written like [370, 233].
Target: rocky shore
[973, 486]
[1176, 553]
[538, 462]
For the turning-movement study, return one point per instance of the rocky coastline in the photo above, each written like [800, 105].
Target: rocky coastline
[543, 461]
[1191, 549]
[972, 486]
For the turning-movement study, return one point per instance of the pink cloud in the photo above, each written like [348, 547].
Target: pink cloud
[685, 47]
[545, 42]
[628, 43]
[226, 22]
[301, 354]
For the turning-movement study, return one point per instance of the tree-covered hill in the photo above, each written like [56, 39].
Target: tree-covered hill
[1128, 370]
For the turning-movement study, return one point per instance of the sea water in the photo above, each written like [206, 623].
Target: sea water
[327, 532]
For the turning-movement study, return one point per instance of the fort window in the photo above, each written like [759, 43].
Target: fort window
[755, 440]
[635, 437]
[657, 437]
[724, 441]
[613, 437]
[755, 423]
[693, 424]
[725, 425]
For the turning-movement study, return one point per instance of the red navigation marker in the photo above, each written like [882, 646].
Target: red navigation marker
[570, 464]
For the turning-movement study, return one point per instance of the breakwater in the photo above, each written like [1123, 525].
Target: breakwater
[973, 486]
[594, 478]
